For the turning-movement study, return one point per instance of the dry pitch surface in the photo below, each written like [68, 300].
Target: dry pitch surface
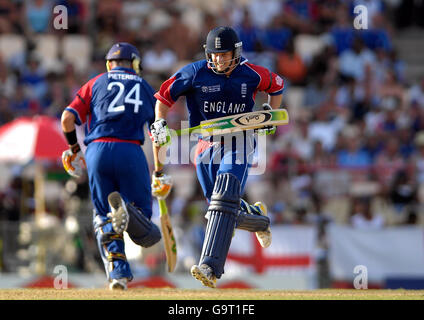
[208, 294]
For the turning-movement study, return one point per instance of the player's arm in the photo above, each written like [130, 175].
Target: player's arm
[168, 93]
[275, 101]
[67, 121]
[273, 85]
[160, 133]
[73, 158]
[161, 182]
[75, 114]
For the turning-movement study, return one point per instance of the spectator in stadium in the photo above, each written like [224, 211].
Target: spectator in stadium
[8, 81]
[391, 89]
[108, 27]
[362, 216]
[341, 33]
[38, 15]
[301, 15]
[327, 14]
[21, 105]
[159, 60]
[404, 190]
[301, 215]
[299, 139]
[388, 116]
[416, 93]
[269, 9]
[71, 80]
[277, 215]
[388, 162]
[407, 147]
[315, 93]
[175, 32]
[6, 8]
[411, 217]
[320, 157]
[10, 199]
[353, 62]
[398, 65]
[417, 118]
[353, 156]
[373, 144]
[261, 56]
[248, 33]
[6, 113]
[34, 80]
[56, 98]
[276, 36]
[290, 65]
[9, 17]
[418, 158]
[325, 62]
[325, 128]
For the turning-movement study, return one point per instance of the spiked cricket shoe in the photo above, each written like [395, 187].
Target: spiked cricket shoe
[118, 284]
[119, 214]
[204, 274]
[264, 237]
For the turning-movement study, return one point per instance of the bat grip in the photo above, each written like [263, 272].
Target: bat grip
[162, 207]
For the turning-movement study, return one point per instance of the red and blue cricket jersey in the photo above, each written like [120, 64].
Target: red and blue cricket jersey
[115, 104]
[209, 95]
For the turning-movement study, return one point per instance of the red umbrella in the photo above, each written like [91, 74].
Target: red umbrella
[25, 139]
[38, 138]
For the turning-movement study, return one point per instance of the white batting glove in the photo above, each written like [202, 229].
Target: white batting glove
[268, 129]
[73, 161]
[161, 136]
[161, 185]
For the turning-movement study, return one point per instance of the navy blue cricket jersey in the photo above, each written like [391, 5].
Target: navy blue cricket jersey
[115, 104]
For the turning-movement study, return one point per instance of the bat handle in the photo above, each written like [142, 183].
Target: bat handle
[162, 207]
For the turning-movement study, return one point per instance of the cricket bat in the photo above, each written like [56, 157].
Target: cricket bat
[168, 236]
[239, 122]
[166, 228]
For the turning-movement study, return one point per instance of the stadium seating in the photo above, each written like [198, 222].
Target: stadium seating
[77, 50]
[308, 46]
[47, 50]
[12, 46]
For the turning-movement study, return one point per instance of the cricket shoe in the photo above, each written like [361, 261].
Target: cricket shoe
[118, 284]
[204, 274]
[264, 237]
[119, 214]
[259, 208]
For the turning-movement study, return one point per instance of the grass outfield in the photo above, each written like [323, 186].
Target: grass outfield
[208, 294]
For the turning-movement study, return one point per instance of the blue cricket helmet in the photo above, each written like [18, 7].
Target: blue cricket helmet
[223, 39]
[125, 51]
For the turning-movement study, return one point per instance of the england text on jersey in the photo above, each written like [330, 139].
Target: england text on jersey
[222, 107]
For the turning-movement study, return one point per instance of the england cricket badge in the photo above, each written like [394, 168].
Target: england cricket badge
[243, 90]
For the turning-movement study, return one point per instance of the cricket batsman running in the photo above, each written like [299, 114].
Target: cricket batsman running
[115, 106]
[221, 85]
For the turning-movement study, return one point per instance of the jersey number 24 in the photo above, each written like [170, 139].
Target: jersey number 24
[132, 97]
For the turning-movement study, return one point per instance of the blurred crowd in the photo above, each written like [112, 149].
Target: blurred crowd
[354, 150]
